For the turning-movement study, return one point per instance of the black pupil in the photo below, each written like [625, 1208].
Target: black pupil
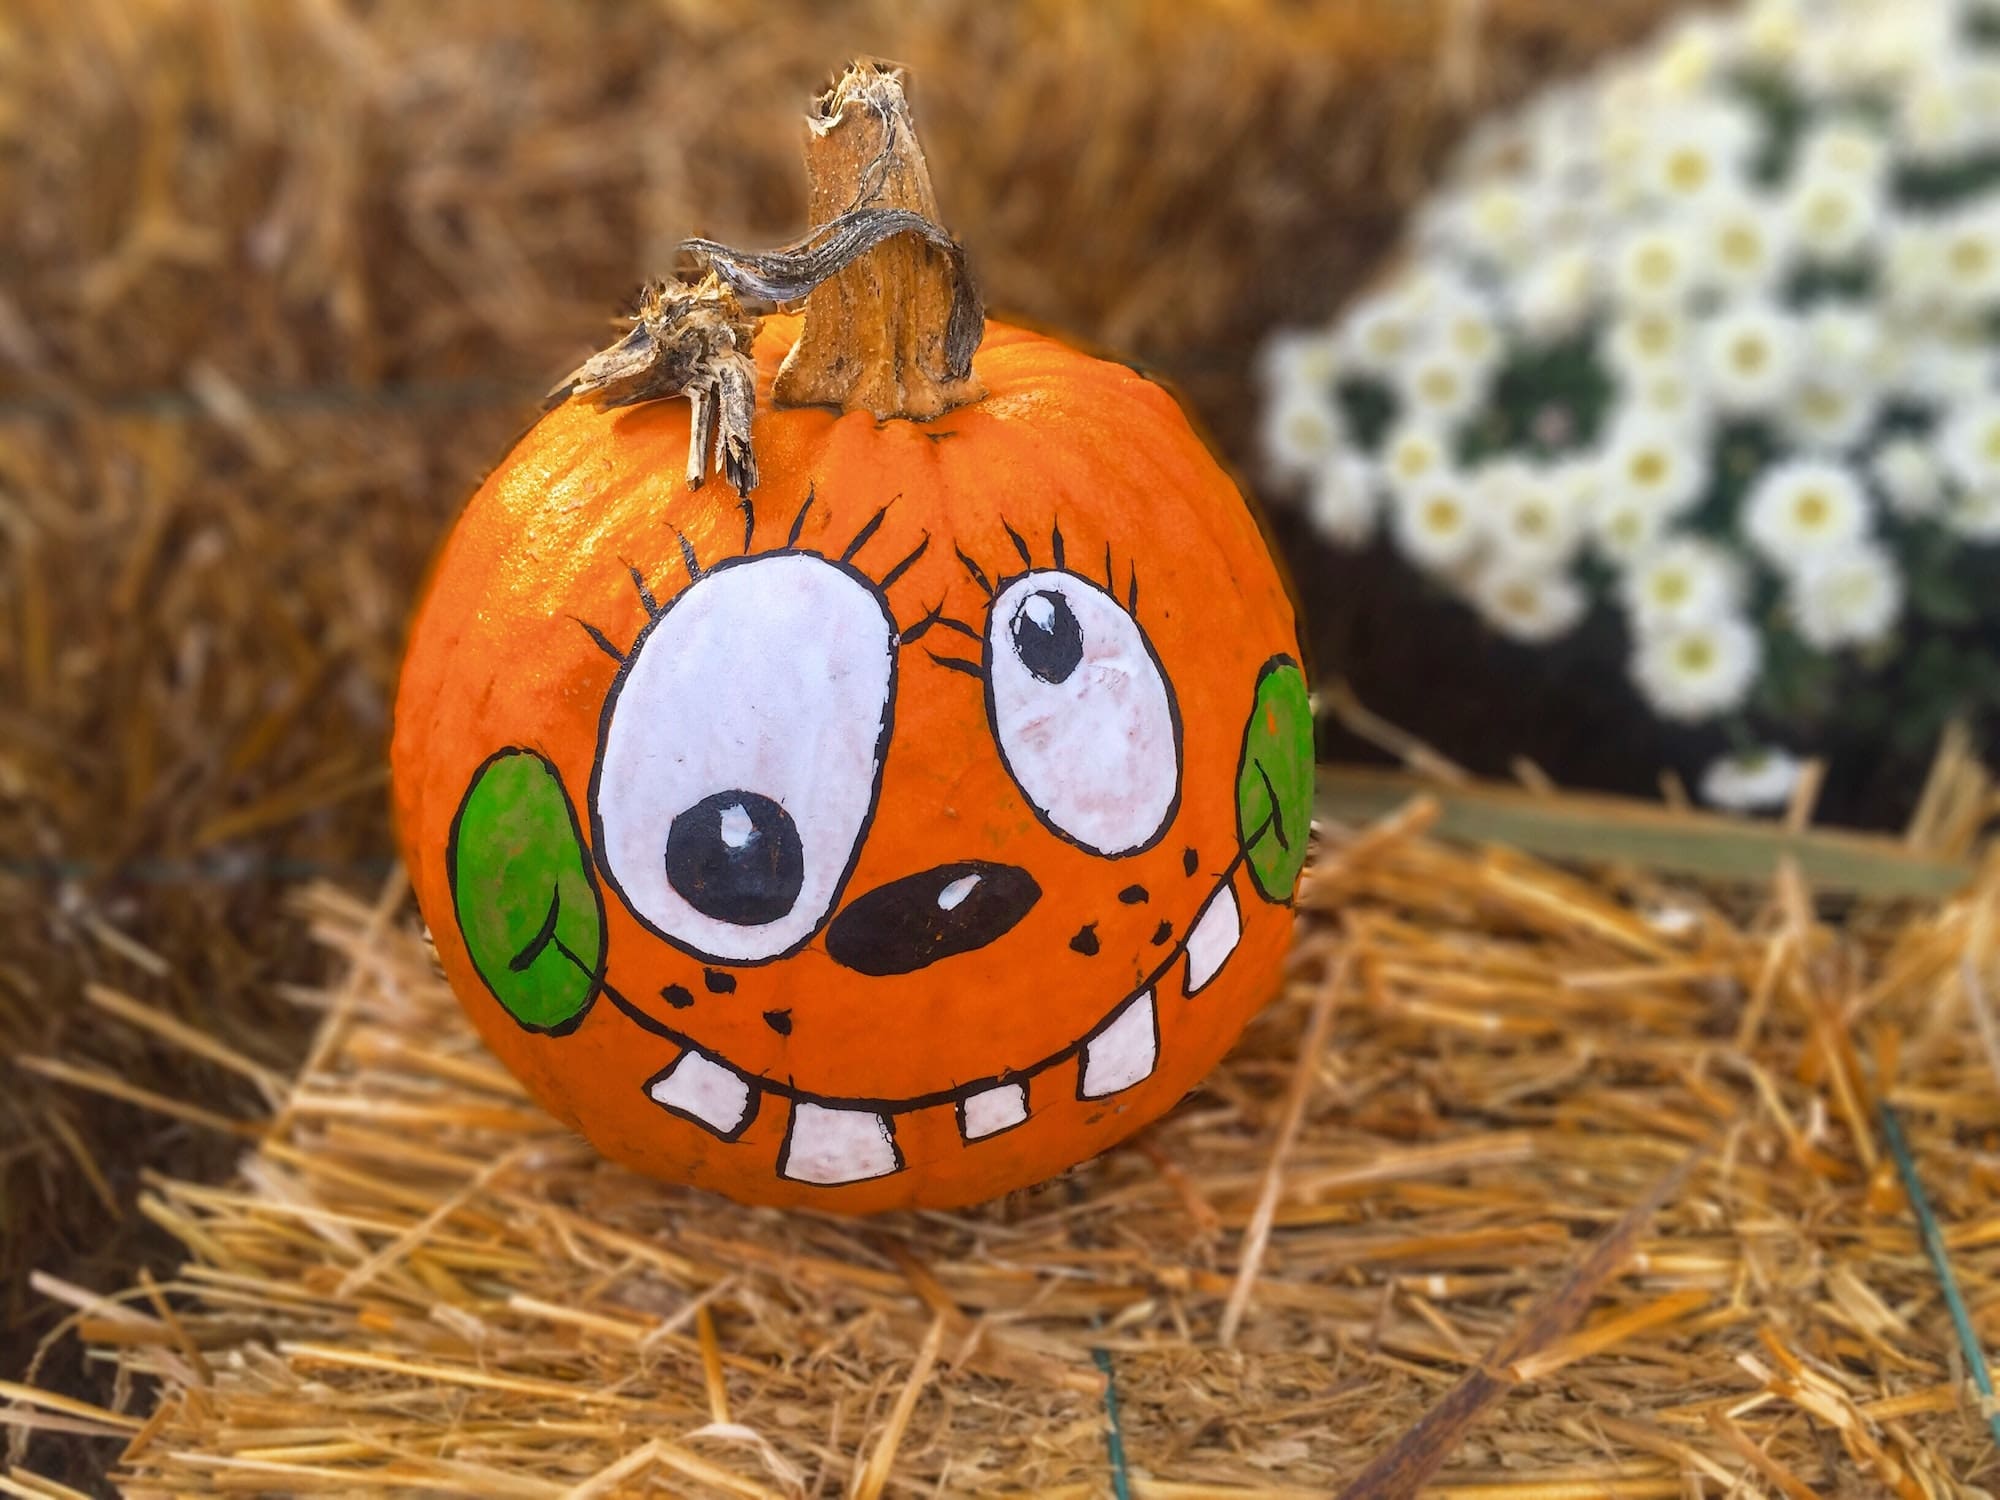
[1047, 637]
[736, 857]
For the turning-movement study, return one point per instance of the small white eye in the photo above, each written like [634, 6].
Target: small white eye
[1082, 711]
[741, 755]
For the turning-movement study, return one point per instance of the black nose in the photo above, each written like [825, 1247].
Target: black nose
[908, 923]
[736, 857]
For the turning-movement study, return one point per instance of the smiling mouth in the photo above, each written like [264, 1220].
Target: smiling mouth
[830, 1141]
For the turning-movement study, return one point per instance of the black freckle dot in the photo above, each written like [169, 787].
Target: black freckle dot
[779, 1021]
[677, 996]
[1161, 933]
[1132, 895]
[1189, 861]
[1085, 941]
[718, 982]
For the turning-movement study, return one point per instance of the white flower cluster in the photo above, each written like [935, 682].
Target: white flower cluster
[1710, 336]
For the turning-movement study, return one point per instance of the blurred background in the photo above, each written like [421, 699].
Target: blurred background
[280, 280]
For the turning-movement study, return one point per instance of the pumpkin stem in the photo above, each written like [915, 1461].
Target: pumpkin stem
[692, 341]
[893, 330]
[892, 316]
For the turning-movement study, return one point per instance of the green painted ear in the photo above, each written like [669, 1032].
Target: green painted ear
[1274, 784]
[532, 916]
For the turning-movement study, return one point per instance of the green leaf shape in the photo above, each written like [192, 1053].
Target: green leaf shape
[1274, 783]
[532, 916]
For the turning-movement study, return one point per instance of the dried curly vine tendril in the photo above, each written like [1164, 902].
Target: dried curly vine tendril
[892, 314]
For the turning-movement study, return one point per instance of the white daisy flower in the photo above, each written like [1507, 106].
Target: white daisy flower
[1750, 357]
[1683, 581]
[1804, 507]
[1740, 244]
[1878, 49]
[1948, 369]
[1528, 516]
[1751, 780]
[1653, 265]
[1698, 671]
[1968, 253]
[1624, 141]
[1970, 444]
[1298, 358]
[1843, 340]
[1528, 604]
[1934, 120]
[1831, 216]
[1414, 452]
[1655, 463]
[1554, 295]
[1913, 274]
[1498, 221]
[1979, 87]
[1436, 522]
[1910, 477]
[1975, 514]
[1646, 340]
[1693, 155]
[1843, 146]
[1377, 334]
[1829, 415]
[1344, 500]
[1623, 527]
[1438, 385]
[1850, 596]
[1463, 324]
[1302, 429]
[1668, 395]
[1692, 55]
[1774, 31]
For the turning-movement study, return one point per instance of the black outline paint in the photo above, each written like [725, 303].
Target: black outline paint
[594, 974]
[616, 689]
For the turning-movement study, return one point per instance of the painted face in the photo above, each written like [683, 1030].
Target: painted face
[903, 836]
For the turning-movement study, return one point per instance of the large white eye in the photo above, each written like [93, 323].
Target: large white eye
[741, 755]
[1082, 712]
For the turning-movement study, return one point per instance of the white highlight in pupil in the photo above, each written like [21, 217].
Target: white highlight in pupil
[950, 897]
[1040, 612]
[737, 829]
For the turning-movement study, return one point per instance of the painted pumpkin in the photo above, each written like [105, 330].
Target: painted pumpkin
[899, 832]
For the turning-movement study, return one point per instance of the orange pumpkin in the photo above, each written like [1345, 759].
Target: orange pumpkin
[901, 832]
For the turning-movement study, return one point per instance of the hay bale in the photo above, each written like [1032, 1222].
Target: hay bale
[281, 280]
[417, 1282]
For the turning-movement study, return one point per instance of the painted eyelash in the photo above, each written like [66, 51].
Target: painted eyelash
[650, 602]
[1059, 562]
[933, 618]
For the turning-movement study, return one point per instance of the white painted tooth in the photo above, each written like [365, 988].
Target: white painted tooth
[1122, 1053]
[701, 1089]
[1212, 938]
[838, 1145]
[993, 1110]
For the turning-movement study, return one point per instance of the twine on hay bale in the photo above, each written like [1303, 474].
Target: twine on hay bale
[419, 1282]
